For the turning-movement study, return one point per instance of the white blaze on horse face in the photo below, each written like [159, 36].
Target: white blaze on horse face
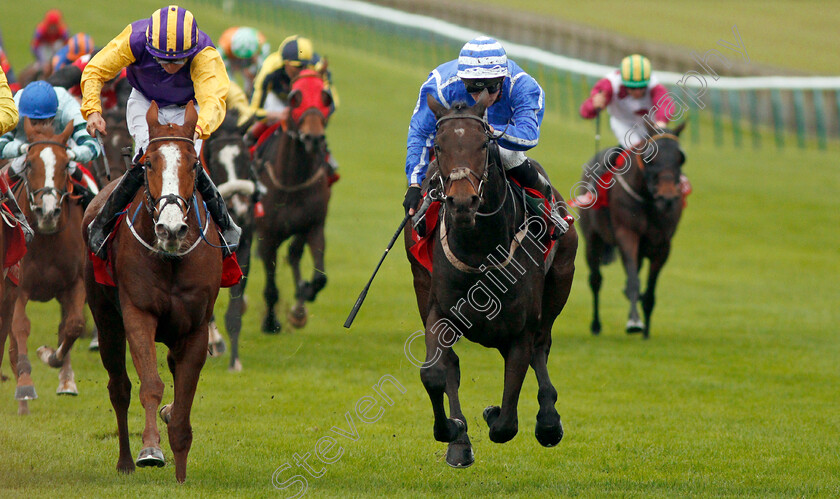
[48, 201]
[226, 157]
[459, 132]
[171, 215]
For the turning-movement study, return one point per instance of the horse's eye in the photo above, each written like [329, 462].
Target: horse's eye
[485, 145]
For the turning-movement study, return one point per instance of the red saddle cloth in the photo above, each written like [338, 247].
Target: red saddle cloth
[103, 270]
[424, 247]
[15, 247]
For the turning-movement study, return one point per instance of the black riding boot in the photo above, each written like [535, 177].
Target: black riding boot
[103, 223]
[528, 176]
[218, 210]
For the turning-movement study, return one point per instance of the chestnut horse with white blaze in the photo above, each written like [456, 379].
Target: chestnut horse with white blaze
[52, 267]
[167, 267]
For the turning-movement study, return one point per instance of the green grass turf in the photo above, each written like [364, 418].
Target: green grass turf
[784, 33]
[734, 395]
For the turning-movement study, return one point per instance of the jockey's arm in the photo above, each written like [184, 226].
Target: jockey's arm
[211, 84]
[522, 132]
[105, 65]
[85, 148]
[594, 104]
[8, 110]
[664, 105]
[272, 63]
[421, 134]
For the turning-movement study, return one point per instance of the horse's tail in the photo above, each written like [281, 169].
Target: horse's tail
[608, 254]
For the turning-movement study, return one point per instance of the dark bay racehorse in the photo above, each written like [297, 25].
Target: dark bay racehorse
[490, 283]
[292, 167]
[167, 280]
[52, 267]
[229, 162]
[645, 204]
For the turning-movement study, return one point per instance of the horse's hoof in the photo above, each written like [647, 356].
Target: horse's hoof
[595, 328]
[549, 436]
[216, 346]
[635, 326]
[491, 414]
[460, 455]
[94, 344]
[126, 467]
[271, 326]
[67, 387]
[298, 316]
[26, 392]
[47, 356]
[150, 456]
[166, 413]
[3, 377]
[236, 367]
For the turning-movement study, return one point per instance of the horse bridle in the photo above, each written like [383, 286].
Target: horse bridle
[30, 195]
[464, 173]
[152, 204]
[641, 165]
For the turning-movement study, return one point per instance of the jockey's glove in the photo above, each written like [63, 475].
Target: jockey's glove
[412, 198]
[82, 153]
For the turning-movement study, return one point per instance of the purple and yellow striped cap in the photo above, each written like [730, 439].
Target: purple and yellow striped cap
[172, 33]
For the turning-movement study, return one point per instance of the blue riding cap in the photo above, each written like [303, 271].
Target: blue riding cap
[481, 58]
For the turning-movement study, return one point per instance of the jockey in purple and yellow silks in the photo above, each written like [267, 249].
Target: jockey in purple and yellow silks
[169, 61]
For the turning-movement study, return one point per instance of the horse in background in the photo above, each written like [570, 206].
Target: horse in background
[640, 220]
[52, 266]
[227, 158]
[494, 282]
[167, 267]
[292, 166]
[116, 145]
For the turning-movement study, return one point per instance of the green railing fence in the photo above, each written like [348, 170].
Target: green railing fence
[807, 107]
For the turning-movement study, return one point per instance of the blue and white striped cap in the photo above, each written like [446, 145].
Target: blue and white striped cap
[482, 57]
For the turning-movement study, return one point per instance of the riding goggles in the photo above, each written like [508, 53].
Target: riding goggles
[160, 60]
[475, 86]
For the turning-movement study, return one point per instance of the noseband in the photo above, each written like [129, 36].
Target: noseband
[155, 206]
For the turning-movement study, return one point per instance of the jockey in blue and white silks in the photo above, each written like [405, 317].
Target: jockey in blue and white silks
[518, 111]
[517, 105]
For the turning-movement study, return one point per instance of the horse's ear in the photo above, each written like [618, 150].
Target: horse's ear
[436, 107]
[65, 135]
[152, 115]
[190, 117]
[322, 67]
[680, 128]
[481, 103]
[28, 129]
[295, 98]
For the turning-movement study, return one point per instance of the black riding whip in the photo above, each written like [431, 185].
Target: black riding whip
[364, 292]
[597, 132]
[104, 156]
